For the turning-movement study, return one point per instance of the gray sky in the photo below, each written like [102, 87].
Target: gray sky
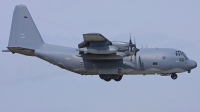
[31, 84]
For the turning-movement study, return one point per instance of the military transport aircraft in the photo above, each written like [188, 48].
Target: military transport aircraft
[96, 55]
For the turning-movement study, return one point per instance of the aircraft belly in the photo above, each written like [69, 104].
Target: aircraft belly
[174, 70]
[60, 59]
[105, 67]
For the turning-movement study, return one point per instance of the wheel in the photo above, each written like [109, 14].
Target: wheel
[118, 78]
[102, 76]
[174, 76]
[113, 76]
[107, 79]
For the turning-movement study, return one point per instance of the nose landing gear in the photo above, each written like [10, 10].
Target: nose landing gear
[174, 76]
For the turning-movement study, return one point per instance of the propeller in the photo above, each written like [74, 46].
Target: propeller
[132, 48]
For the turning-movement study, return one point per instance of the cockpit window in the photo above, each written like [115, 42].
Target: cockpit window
[181, 59]
[180, 53]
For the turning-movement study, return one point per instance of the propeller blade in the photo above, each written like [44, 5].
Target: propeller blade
[132, 47]
[130, 42]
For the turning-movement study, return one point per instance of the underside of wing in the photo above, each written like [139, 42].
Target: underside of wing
[118, 55]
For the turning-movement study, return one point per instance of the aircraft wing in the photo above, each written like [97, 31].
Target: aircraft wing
[95, 46]
[93, 37]
[96, 43]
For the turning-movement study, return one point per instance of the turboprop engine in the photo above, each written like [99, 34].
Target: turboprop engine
[122, 46]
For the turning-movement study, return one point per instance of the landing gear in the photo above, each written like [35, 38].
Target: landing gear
[118, 78]
[103, 76]
[107, 77]
[174, 76]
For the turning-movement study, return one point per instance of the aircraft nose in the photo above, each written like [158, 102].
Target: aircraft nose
[192, 64]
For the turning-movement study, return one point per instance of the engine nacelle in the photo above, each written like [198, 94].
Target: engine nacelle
[122, 46]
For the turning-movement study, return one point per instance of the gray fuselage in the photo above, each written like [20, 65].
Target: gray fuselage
[148, 61]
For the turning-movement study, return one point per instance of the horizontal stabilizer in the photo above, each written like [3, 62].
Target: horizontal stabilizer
[5, 51]
[20, 50]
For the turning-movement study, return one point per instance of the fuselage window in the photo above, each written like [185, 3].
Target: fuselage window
[155, 63]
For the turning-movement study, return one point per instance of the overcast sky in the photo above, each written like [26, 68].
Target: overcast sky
[28, 84]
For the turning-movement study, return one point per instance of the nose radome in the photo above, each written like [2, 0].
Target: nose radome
[193, 64]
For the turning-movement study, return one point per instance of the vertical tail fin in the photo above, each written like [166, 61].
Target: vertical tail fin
[24, 32]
